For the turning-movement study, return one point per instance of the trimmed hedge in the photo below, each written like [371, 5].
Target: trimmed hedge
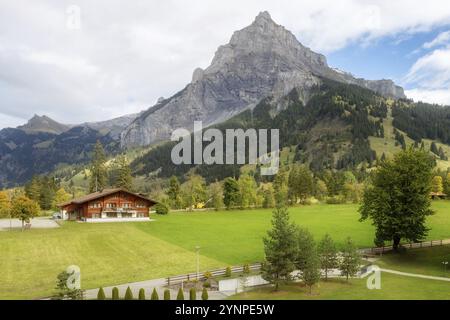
[101, 294]
[161, 209]
[167, 294]
[128, 294]
[154, 295]
[205, 294]
[141, 294]
[180, 295]
[192, 294]
[115, 294]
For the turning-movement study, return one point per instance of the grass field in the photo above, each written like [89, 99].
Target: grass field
[116, 253]
[393, 287]
[426, 261]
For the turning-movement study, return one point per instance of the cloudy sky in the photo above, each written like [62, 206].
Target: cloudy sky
[79, 61]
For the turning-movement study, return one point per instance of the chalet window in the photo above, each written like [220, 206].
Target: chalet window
[140, 215]
[111, 205]
[140, 205]
[95, 205]
[126, 205]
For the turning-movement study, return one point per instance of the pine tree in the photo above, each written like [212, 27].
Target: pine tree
[328, 254]
[230, 193]
[305, 247]
[311, 269]
[174, 193]
[99, 175]
[124, 179]
[33, 189]
[398, 201]
[350, 260]
[280, 247]
[434, 149]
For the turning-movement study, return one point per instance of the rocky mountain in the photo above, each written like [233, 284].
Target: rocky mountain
[43, 124]
[112, 127]
[261, 60]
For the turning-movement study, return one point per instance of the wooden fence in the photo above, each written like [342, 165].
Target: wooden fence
[424, 244]
[214, 273]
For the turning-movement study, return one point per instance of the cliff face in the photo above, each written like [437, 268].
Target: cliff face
[263, 59]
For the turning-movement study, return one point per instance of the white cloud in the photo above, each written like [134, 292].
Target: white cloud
[442, 38]
[124, 57]
[431, 96]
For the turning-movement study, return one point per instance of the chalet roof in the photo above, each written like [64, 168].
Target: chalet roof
[100, 194]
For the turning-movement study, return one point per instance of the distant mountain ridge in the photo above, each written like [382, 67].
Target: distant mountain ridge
[43, 124]
[261, 60]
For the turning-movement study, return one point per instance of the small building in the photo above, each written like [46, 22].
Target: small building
[108, 204]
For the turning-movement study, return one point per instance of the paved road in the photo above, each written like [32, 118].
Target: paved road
[415, 275]
[41, 223]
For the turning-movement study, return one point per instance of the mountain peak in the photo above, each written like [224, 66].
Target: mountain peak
[43, 124]
[263, 16]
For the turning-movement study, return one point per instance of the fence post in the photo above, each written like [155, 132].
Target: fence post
[441, 242]
[168, 281]
[188, 276]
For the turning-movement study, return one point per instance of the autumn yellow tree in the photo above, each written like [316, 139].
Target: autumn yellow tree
[61, 196]
[437, 185]
[5, 204]
[24, 209]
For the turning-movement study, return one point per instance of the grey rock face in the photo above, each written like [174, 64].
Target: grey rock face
[263, 59]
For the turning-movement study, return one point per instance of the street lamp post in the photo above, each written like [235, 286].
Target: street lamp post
[197, 249]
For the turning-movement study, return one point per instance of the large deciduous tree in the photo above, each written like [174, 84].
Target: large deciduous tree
[398, 201]
[5, 204]
[280, 248]
[24, 209]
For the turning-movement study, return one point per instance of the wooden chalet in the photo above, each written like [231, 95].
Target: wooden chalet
[107, 204]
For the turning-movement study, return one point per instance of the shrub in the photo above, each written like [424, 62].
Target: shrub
[115, 294]
[206, 284]
[246, 269]
[142, 294]
[204, 294]
[207, 275]
[128, 294]
[167, 294]
[154, 295]
[228, 272]
[101, 294]
[161, 208]
[180, 295]
[192, 294]
[335, 200]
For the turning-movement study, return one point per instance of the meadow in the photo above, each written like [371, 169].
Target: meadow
[115, 253]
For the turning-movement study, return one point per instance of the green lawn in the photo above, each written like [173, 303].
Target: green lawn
[115, 253]
[423, 261]
[393, 287]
